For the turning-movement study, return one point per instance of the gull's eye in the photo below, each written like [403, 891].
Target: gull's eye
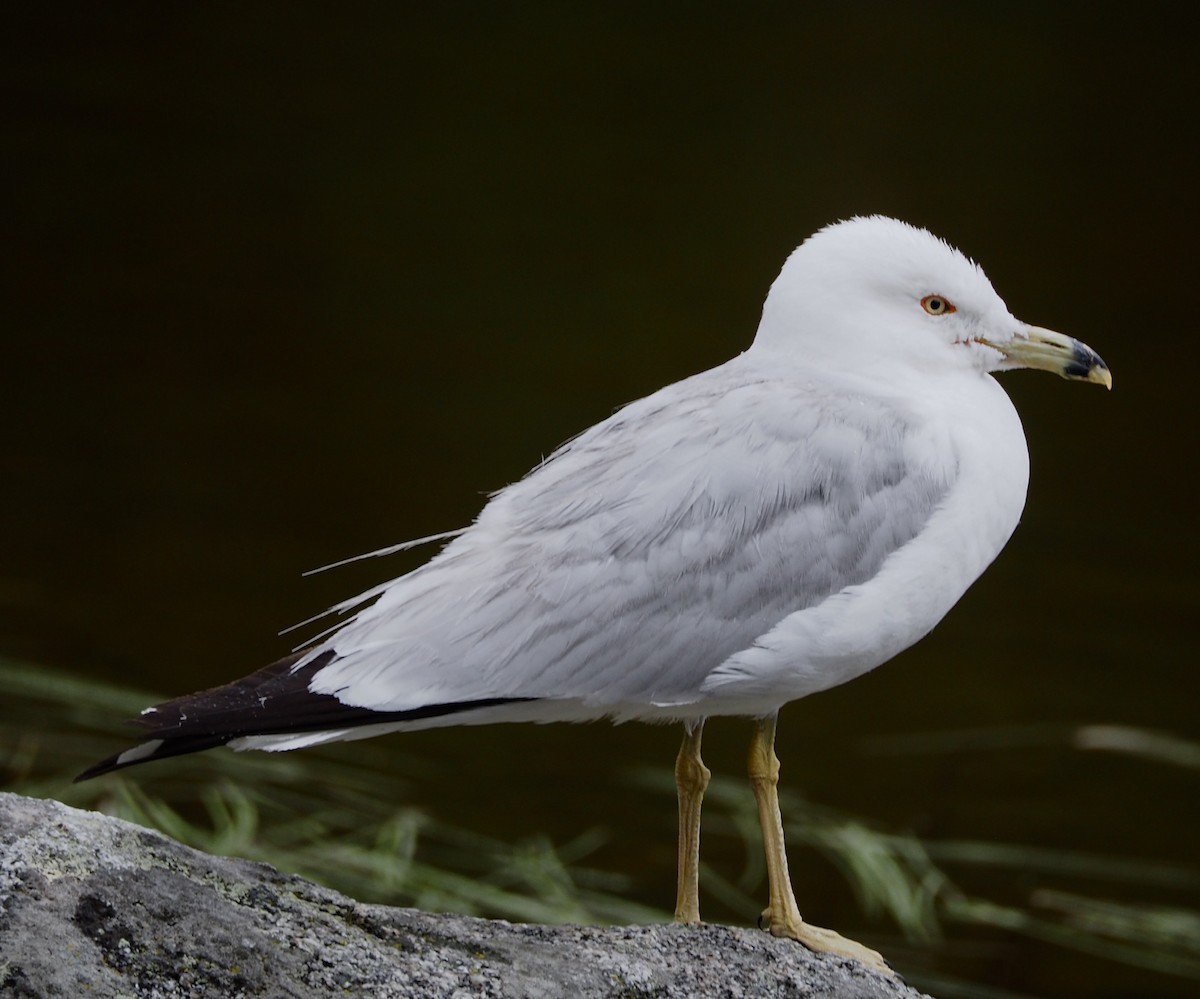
[936, 305]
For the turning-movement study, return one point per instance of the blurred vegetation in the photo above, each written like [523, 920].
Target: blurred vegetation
[315, 814]
[321, 816]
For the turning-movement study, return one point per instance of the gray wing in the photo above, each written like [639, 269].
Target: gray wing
[643, 553]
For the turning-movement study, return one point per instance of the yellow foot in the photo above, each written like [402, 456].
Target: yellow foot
[826, 941]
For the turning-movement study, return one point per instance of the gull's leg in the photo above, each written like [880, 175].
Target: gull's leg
[782, 916]
[691, 778]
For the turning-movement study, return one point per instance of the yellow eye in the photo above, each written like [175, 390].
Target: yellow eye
[936, 305]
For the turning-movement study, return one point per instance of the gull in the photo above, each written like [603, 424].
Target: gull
[753, 534]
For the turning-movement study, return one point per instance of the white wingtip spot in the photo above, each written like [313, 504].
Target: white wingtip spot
[144, 751]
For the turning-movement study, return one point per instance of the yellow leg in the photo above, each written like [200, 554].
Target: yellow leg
[691, 779]
[782, 916]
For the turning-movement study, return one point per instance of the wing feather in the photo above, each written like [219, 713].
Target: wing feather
[640, 555]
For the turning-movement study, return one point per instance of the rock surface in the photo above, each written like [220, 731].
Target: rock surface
[93, 906]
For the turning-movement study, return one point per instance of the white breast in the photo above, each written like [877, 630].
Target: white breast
[972, 424]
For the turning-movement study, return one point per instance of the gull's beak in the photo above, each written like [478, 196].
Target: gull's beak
[1034, 347]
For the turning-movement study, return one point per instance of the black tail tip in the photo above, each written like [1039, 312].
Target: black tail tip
[153, 749]
[96, 769]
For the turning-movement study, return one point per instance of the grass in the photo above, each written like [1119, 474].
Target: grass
[319, 815]
[316, 814]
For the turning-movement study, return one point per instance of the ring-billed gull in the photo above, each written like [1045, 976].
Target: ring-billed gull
[773, 527]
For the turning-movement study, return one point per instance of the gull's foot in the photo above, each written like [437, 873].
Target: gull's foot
[819, 939]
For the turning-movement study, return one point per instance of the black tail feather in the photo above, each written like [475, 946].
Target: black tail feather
[166, 748]
[274, 700]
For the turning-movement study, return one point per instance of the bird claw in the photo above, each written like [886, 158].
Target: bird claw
[821, 940]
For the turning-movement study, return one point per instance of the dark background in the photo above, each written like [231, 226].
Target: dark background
[287, 282]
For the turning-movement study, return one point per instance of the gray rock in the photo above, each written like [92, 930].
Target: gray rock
[93, 906]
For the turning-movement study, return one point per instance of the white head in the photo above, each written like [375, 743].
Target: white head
[895, 298]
